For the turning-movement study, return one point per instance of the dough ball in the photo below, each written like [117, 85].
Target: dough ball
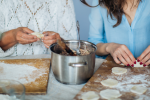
[39, 35]
[91, 95]
[118, 70]
[110, 94]
[4, 83]
[138, 64]
[109, 82]
[138, 89]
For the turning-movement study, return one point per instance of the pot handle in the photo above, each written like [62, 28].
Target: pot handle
[81, 64]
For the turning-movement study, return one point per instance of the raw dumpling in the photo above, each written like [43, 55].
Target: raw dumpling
[39, 35]
[138, 89]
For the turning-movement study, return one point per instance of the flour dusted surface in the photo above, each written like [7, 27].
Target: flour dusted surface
[22, 73]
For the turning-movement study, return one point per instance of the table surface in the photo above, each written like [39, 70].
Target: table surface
[55, 89]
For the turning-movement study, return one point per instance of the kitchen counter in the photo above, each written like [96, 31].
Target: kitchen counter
[55, 89]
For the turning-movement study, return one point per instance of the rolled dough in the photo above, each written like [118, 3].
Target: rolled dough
[39, 35]
[109, 82]
[138, 89]
[118, 70]
[91, 95]
[110, 94]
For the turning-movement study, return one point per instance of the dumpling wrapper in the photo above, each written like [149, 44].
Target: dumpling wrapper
[109, 82]
[118, 70]
[110, 94]
[39, 35]
[138, 89]
[91, 95]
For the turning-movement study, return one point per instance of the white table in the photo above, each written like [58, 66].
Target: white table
[56, 90]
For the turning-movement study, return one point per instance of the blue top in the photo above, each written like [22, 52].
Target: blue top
[136, 37]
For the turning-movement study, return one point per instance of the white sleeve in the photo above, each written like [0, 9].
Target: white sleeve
[66, 20]
[2, 30]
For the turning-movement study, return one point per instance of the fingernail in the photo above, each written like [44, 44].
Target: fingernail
[134, 62]
[138, 60]
[128, 65]
[132, 65]
[34, 37]
[144, 65]
[141, 63]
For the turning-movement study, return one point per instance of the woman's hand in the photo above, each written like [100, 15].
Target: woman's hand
[144, 58]
[22, 36]
[121, 54]
[50, 38]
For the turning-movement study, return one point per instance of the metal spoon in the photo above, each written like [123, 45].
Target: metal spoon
[78, 28]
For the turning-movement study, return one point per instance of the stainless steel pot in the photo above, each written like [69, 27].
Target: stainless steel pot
[73, 69]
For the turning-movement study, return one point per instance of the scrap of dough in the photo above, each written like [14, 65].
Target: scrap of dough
[138, 89]
[4, 83]
[91, 95]
[110, 94]
[109, 82]
[118, 70]
[39, 35]
[138, 64]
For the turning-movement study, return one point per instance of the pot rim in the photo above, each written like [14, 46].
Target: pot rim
[94, 46]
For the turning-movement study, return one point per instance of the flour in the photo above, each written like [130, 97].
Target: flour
[7, 97]
[22, 73]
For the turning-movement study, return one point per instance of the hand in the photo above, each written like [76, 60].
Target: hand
[22, 36]
[121, 53]
[50, 38]
[144, 58]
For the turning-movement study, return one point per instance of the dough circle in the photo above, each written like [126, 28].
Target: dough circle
[109, 82]
[110, 94]
[138, 89]
[91, 95]
[118, 70]
[4, 83]
[39, 35]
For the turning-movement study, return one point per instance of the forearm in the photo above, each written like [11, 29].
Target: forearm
[102, 49]
[7, 40]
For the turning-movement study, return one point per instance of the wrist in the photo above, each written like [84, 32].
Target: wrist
[108, 47]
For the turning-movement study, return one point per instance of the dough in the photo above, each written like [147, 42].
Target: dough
[138, 64]
[110, 94]
[39, 35]
[4, 83]
[138, 89]
[114, 99]
[91, 95]
[118, 70]
[109, 82]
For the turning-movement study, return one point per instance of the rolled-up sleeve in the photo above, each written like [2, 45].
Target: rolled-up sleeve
[96, 32]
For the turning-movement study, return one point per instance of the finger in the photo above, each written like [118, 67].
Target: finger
[146, 58]
[116, 60]
[46, 45]
[27, 30]
[50, 37]
[129, 55]
[120, 57]
[47, 33]
[127, 59]
[26, 41]
[146, 51]
[49, 41]
[147, 63]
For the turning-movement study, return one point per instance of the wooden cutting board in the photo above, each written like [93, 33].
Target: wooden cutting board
[39, 84]
[134, 76]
